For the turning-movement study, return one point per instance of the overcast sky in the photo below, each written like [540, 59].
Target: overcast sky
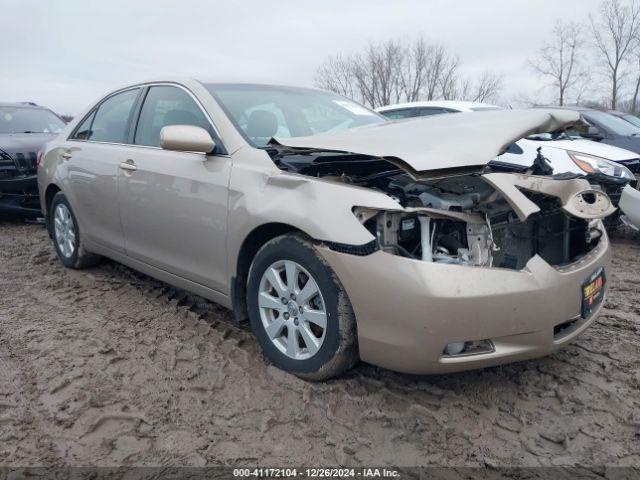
[66, 53]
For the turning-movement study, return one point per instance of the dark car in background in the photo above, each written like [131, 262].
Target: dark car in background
[24, 129]
[629, 117]
[611, 129]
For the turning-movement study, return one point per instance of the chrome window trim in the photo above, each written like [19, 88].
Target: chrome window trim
[149, 85]
[224, 155]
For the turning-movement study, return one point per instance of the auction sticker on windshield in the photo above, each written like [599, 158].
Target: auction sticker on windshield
[353, 107]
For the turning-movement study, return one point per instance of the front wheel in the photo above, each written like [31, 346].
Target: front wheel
[299, 311]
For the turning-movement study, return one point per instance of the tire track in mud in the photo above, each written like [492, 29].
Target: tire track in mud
[107, 367]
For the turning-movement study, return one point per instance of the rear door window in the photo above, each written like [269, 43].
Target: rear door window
[113, 118]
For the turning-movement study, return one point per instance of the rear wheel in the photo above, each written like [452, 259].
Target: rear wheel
[66, 235]
[299, 311]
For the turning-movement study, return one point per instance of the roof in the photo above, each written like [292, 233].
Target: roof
[21, 105]
[461, 106]
[617, 113]
[440, 142]
[575, 108]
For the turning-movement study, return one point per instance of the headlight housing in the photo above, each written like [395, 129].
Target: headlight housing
[591, 164]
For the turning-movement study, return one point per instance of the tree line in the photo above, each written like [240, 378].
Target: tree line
[594, 64]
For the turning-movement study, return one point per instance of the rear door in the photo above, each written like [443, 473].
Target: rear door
[93, 153]
[173, 205]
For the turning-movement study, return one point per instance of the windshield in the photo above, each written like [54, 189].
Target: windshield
[632, 119]
[262, 111]
[29, 120]
[610, 122]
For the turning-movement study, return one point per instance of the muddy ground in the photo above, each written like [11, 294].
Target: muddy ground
[108, 367]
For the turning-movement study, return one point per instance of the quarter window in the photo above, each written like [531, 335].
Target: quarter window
[112, 120]
[83, 132]
[163, 106]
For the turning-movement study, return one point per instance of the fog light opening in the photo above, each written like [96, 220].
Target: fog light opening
[471, 347]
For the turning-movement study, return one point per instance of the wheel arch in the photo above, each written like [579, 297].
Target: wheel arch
[50, 192]
[250, 246]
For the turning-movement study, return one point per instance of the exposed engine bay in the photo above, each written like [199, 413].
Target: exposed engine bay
[464, 218]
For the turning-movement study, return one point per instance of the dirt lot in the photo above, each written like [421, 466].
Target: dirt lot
[109, 367]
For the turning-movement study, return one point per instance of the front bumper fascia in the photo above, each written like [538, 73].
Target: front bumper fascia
[408, 310]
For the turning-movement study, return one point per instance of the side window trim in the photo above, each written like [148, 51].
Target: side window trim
[132, 123]
[137, 109]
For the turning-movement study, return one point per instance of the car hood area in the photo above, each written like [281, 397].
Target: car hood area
[439, 145]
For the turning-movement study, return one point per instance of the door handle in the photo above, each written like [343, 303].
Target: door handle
[128, 165]
[66, 155]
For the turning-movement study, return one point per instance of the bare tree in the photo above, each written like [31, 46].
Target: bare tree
[390, 72]
[448, 76]
[485, 89]
[558, 59]
[377, 73]
[636, 89]
[336, 74]
[413, 71]
[615, 33]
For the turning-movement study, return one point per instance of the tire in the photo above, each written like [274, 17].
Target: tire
[64, 226]
[333, 349]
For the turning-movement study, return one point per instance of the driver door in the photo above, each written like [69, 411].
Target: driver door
[173, 205]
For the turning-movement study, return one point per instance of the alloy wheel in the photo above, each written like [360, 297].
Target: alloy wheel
[64, 230]
[292, 309]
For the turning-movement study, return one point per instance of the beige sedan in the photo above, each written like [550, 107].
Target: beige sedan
[339, 235]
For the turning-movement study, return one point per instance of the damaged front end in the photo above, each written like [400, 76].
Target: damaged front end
[474, 218]
[18, 185]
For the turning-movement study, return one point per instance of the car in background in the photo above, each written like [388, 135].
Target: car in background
[610, 167]
[436, 107]
[24, 129]
[337, 234]
[607, 128]
[629, 117]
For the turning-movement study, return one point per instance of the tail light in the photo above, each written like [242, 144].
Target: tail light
[39, 158]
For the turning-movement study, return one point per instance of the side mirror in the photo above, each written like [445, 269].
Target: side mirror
[186, 138]
[593, 133]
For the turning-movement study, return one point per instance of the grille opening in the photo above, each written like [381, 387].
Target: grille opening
[563, 329]
[550, 233]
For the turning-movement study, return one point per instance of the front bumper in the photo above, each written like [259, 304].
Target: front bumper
[408, 310]
[19, 196]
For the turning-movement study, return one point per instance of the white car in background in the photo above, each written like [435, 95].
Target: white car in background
[606, 165]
